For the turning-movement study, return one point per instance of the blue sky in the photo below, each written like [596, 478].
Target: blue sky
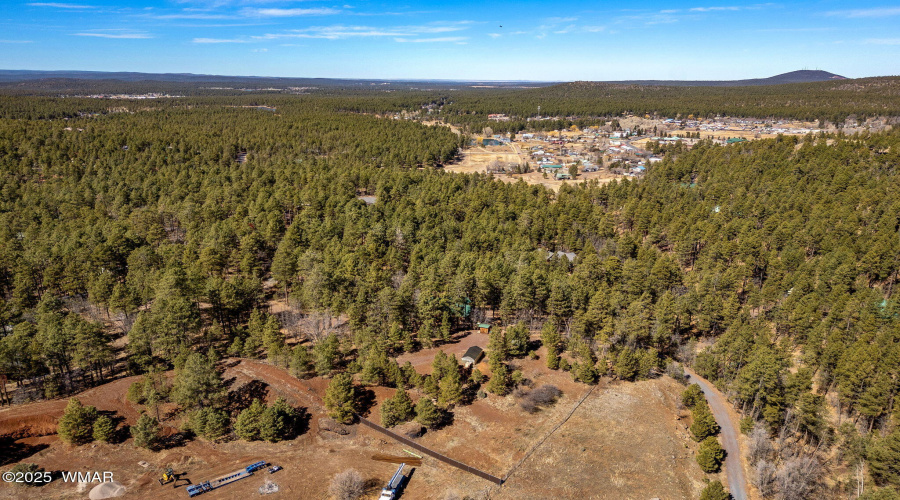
[500, 40]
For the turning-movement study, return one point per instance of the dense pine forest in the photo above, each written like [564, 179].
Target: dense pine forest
[769, 266]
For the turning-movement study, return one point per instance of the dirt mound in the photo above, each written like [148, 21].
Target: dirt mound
[410, 430]
[330, 426]
[107, 490]
[27, 426]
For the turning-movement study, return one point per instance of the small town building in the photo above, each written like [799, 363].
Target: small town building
[570, 256]
[484, 327]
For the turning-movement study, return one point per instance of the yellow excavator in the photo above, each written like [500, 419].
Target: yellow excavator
[167, 477]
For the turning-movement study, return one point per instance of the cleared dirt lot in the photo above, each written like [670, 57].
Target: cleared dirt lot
[625, 441]
[476, 160]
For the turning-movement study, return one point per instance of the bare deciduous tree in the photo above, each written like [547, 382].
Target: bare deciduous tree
[347, 485]
[798, 478]
[764, 478]
[760, 447]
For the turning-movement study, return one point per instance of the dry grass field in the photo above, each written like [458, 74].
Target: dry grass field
[627, 440]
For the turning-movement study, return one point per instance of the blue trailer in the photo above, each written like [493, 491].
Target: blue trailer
[200, 488]
[389, 492]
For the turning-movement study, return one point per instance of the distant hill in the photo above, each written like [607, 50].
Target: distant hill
[68, 79]
[801, 76]
[11, 76]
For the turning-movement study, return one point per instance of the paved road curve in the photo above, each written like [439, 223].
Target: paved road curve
[737, 485]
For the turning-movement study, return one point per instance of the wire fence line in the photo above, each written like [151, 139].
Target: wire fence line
[539, 443]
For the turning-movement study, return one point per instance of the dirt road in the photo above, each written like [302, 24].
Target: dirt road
[737, 485]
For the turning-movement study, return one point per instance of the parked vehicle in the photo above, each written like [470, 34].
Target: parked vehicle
[389, 492]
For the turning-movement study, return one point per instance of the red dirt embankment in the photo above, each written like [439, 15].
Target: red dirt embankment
[39, 419]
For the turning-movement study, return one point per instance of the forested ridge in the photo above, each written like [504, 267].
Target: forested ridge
[582, 103]
[768, 265]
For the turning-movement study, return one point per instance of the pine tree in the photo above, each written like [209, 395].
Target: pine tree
[884, 457]
[374, 368]
[340, 398]
[301, 364]
[104, 429]
[278, 421]
[710, 455]
[76, 426]
[517, 338]
[551, 339]
[497, 345]
[703, 423]
[691, 396]
[627, 363]
[445, 326]
[198, 384]
[209, 423]
[427, 413]
[326, 353]
[216, 424]
[249, 422]
[430, 386]
[499, 381]
[714, 491]
[450, 389]
[397, 409]
[145, 432]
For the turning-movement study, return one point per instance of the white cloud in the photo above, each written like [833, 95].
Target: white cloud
[319, 11]
[494, 35]
[16, 41]
[856, 13]
[339, 31]
[193, 16]
[558, 20]
[713, 9]
[218, 40]
[260, 50]
[115, 35]
[883, 41]
[61, 5]
[433, 40]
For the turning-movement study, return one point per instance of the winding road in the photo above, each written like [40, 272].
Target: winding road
[737, 484]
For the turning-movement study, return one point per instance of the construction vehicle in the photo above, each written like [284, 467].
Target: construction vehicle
[389, 492]
[167, 477]
[198, 489]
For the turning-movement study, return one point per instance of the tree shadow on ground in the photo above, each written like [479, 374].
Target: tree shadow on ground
[365, 401]
[301, 423]
[406, 481]
[243, 396]
[121, 432]
[469, 394]
[14, 451]
[176, 440]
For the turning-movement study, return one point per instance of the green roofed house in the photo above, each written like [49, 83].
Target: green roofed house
[550, 169]
[484, 327]
[735, 140]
